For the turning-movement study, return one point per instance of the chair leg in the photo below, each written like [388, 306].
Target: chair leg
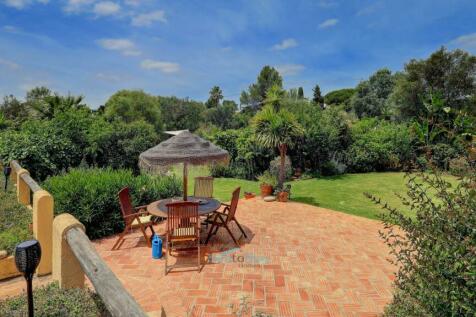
[210, 233]
[166, 256]
[239, 226]
[231, 234]
[121, 237]
[145, 236]
[199, 255]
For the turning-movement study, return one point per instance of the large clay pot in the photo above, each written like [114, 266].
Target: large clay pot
[266, 190]
[283, 196]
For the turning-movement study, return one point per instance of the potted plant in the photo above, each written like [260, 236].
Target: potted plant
[282, 193]
[267, 183]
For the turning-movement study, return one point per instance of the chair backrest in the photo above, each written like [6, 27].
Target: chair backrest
[182, 214]
[234, 204]
[203, 187]
[125, 202]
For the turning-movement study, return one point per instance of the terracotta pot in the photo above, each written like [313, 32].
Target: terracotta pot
[266, 190]
[249, 195]
[283, 196]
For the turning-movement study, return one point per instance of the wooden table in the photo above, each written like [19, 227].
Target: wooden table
[159, 208]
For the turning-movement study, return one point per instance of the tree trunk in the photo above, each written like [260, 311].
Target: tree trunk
[282, 153]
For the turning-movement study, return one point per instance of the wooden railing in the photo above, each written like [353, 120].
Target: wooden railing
[30, 194]
[74, 256]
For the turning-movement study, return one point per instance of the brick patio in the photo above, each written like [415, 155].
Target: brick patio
[314, 262]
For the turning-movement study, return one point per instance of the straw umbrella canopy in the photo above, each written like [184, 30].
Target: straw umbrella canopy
[186, 148]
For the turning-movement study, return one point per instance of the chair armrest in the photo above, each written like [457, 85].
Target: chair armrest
[137, 214]
[226, 205]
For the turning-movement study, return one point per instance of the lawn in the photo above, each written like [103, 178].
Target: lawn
[342, 193]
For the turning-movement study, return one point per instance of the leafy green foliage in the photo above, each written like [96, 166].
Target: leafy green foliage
[134, 105]
[91, 196]
[257, 92]
[15, 220]
[221, 116]
[119, 144]
[216, 95]
[370, 98]
[435, 250]
[340, 97]
[379, 146]
[317, 98]
[181, 114]
[275, 165]
[51, 301]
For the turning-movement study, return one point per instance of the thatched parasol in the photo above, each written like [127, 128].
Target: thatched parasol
[186, 148]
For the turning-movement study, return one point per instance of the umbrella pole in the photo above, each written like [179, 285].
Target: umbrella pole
[185, 181]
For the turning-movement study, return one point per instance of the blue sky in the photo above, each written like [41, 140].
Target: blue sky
[183, 48]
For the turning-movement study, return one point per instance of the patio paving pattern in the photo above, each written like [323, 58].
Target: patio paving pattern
[298, 260]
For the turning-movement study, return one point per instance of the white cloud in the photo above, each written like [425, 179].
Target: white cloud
[147, 19]
[467, 41]
[108, 77]
[11, 29]
[328, 23]
[9, 64]
[134, 3]
[165, 67]
[75, 6]
[20, 4]
[285, 44]
[106, 8]
[289, 69]
[125, 46]
[327, 3]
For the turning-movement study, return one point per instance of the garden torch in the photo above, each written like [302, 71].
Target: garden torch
[27, 258]
[7, 170]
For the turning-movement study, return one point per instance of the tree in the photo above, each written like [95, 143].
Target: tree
[277, 129]
[339, 97]
[300, 93]
[222, 116]
[451, 74]
[216, 96]
[274, 97]
[179, 114]
[370, 98]
[267, 78]
[317, 96]
[134, 105]
[14, 110]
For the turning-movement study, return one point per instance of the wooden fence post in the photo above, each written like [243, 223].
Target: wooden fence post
[43, 227]
[23, 191]
[66, 268]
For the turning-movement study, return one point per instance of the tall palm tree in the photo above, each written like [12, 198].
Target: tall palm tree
[277, 129]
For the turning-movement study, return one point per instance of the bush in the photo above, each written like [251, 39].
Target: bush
[52, 301]
[459, 166]
[275, 165]
[118, 144]
[14, 221]
[91, 196]
[442, 154]
[379, 146]
[268, 178]
[435, 251]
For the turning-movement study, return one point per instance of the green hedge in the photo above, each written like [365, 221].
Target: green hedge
[51, 301]
[91, 195]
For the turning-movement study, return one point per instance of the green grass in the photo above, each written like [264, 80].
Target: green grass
[342, 193]
[14, 220]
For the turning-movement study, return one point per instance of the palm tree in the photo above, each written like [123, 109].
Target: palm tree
[277, 129]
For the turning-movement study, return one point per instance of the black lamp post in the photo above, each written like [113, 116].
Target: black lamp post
[27, 258]
[7, 170]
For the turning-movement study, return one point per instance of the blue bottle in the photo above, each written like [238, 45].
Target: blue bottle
[156, 247]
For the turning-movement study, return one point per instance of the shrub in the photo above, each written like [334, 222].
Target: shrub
[442, 154]
[379, 146]
[435, 251]
[459, 166]
[91, 195]
[14, 221]
[275, 164]
[268, 178]
[52, 301]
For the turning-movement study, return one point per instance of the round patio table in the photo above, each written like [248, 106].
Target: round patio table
[159, 208]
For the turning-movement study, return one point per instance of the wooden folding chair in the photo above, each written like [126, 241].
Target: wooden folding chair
[224, 218]
[133, 218]
[203, 187]
[183, 225]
